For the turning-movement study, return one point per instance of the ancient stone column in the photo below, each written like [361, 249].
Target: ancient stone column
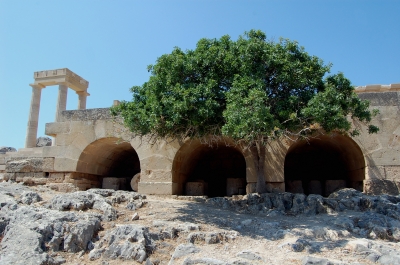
[62, 100]
[31, 132]
[82, 96]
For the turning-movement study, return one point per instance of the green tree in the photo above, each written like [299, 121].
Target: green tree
[253, 90]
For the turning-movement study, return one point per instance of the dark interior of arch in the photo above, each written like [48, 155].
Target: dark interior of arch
[324, 165]
[114, 162]
[124, 166]
[222, 169]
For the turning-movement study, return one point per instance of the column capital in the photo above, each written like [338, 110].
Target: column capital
[82, 93]
[39, 86]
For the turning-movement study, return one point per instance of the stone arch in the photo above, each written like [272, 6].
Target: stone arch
[323, 165]
[111, 159]
[216, 170]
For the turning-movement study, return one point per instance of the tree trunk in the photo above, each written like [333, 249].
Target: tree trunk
[258, 153]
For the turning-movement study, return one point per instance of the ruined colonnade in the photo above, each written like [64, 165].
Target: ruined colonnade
[65, 79]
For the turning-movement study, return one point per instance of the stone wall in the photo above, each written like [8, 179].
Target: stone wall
[85, 115]
[40, 171]
[382, 150]
[89, 144]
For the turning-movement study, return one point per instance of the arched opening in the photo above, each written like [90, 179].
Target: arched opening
[215, 171]
[113, 161]
[324, 165]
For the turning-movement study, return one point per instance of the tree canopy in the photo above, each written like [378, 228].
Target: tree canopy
[252, 90]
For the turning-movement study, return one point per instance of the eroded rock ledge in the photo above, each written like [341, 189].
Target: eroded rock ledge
[38, 231]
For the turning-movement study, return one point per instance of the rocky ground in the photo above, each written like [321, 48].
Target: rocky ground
[42, 226]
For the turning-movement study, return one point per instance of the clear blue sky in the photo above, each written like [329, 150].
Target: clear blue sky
[110, 43]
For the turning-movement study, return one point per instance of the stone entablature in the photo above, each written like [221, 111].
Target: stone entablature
[65, 79]
[57, 76]
[377, 88]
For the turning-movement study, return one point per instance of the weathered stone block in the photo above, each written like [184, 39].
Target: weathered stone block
[94, 184]
[48, 164]
[56, 177]
[81, 141]
[40, 174]
[35, 181]
[20, 175]
[155, 162]
[2, 167]
[294, 186]
[314, 187]
[392, 173]
[235, 186]
[158, 188]
[380, 99]
[55, 128]
[274, 187]
[386, 157]
[380, 186]
[375, 172]
[334, 185]
[164, 148]
[33, 164]
[9, 176]
[151, 175]
[25, 180]
[86, 114]
[25, 165]
[65, 164]
[195, 188]
[113, 183]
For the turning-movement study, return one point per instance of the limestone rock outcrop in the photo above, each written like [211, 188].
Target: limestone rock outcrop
[31, 229]
[38, 227]
[286, 203]
[99, 199]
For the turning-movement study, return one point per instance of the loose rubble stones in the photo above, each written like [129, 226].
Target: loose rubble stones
[5, 149]
[43, 141]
